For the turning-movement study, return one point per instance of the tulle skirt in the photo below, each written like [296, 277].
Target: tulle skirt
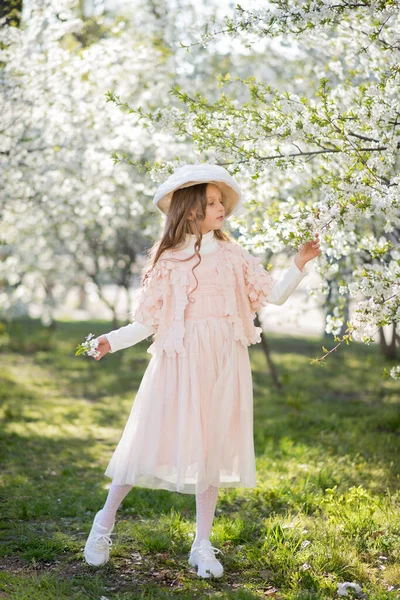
[191, 423]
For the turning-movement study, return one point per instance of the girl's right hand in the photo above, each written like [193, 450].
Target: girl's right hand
[103, 346]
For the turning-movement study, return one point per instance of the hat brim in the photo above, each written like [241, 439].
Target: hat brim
[232, 197]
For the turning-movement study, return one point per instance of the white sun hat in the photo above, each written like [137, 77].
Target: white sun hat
[201, 173]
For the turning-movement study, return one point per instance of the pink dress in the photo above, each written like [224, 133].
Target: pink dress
[191, 424]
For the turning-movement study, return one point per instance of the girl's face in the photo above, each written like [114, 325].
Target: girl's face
[215, 209]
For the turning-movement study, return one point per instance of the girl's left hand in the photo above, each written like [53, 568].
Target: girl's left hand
[309, 250]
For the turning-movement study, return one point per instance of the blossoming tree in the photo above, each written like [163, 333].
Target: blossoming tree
[320, 151]
[69, 214]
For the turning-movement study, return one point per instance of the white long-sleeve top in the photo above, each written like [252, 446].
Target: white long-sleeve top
[133, 333]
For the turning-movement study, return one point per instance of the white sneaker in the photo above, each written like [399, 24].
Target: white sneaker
[98, 544]
[203, 557]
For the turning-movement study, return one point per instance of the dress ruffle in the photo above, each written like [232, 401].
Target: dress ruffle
[252, 284]
[164, 296]
[151, 297]
[161, 303]
[170, 337]
[258, 282]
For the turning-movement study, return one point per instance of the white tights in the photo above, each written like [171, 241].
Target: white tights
[205, 509]
[116, 494]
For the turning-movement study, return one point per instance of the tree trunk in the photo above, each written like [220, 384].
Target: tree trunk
[112, 307]
[82, 304]
[346, 316]
[267, 352]
[389, 351]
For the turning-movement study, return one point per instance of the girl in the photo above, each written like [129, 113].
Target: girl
[190, 429]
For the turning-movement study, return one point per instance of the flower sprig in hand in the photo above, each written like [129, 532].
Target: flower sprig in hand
[88, 347]
[96, 347]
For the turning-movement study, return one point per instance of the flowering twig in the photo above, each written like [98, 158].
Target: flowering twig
[88, 347]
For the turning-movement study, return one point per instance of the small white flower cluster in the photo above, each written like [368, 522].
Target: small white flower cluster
[89, 346]
[205, 39]
[169, 119]
[343, 587]
[334, 323]
[365, 320]
[395, 372]
[160, 172]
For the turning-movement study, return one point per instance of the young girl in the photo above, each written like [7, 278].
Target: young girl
[190, 429]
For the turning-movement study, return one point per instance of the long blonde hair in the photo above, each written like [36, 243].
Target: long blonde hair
[177, 226]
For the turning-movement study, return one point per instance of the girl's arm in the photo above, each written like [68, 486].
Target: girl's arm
[129, 335]
[283, 288]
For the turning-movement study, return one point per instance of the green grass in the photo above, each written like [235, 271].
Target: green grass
[325, 510]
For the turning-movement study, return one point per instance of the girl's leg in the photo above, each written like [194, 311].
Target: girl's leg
[116, 494]
[98, 543]
[205, 509]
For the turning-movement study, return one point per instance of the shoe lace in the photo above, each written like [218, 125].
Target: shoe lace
[100, 539]
[208, 553]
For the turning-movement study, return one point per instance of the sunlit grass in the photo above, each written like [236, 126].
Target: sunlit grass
[325, 510]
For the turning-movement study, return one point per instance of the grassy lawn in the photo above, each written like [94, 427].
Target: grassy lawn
[325, 511]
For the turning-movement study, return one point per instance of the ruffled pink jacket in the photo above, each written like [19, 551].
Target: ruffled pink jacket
[241, 278]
